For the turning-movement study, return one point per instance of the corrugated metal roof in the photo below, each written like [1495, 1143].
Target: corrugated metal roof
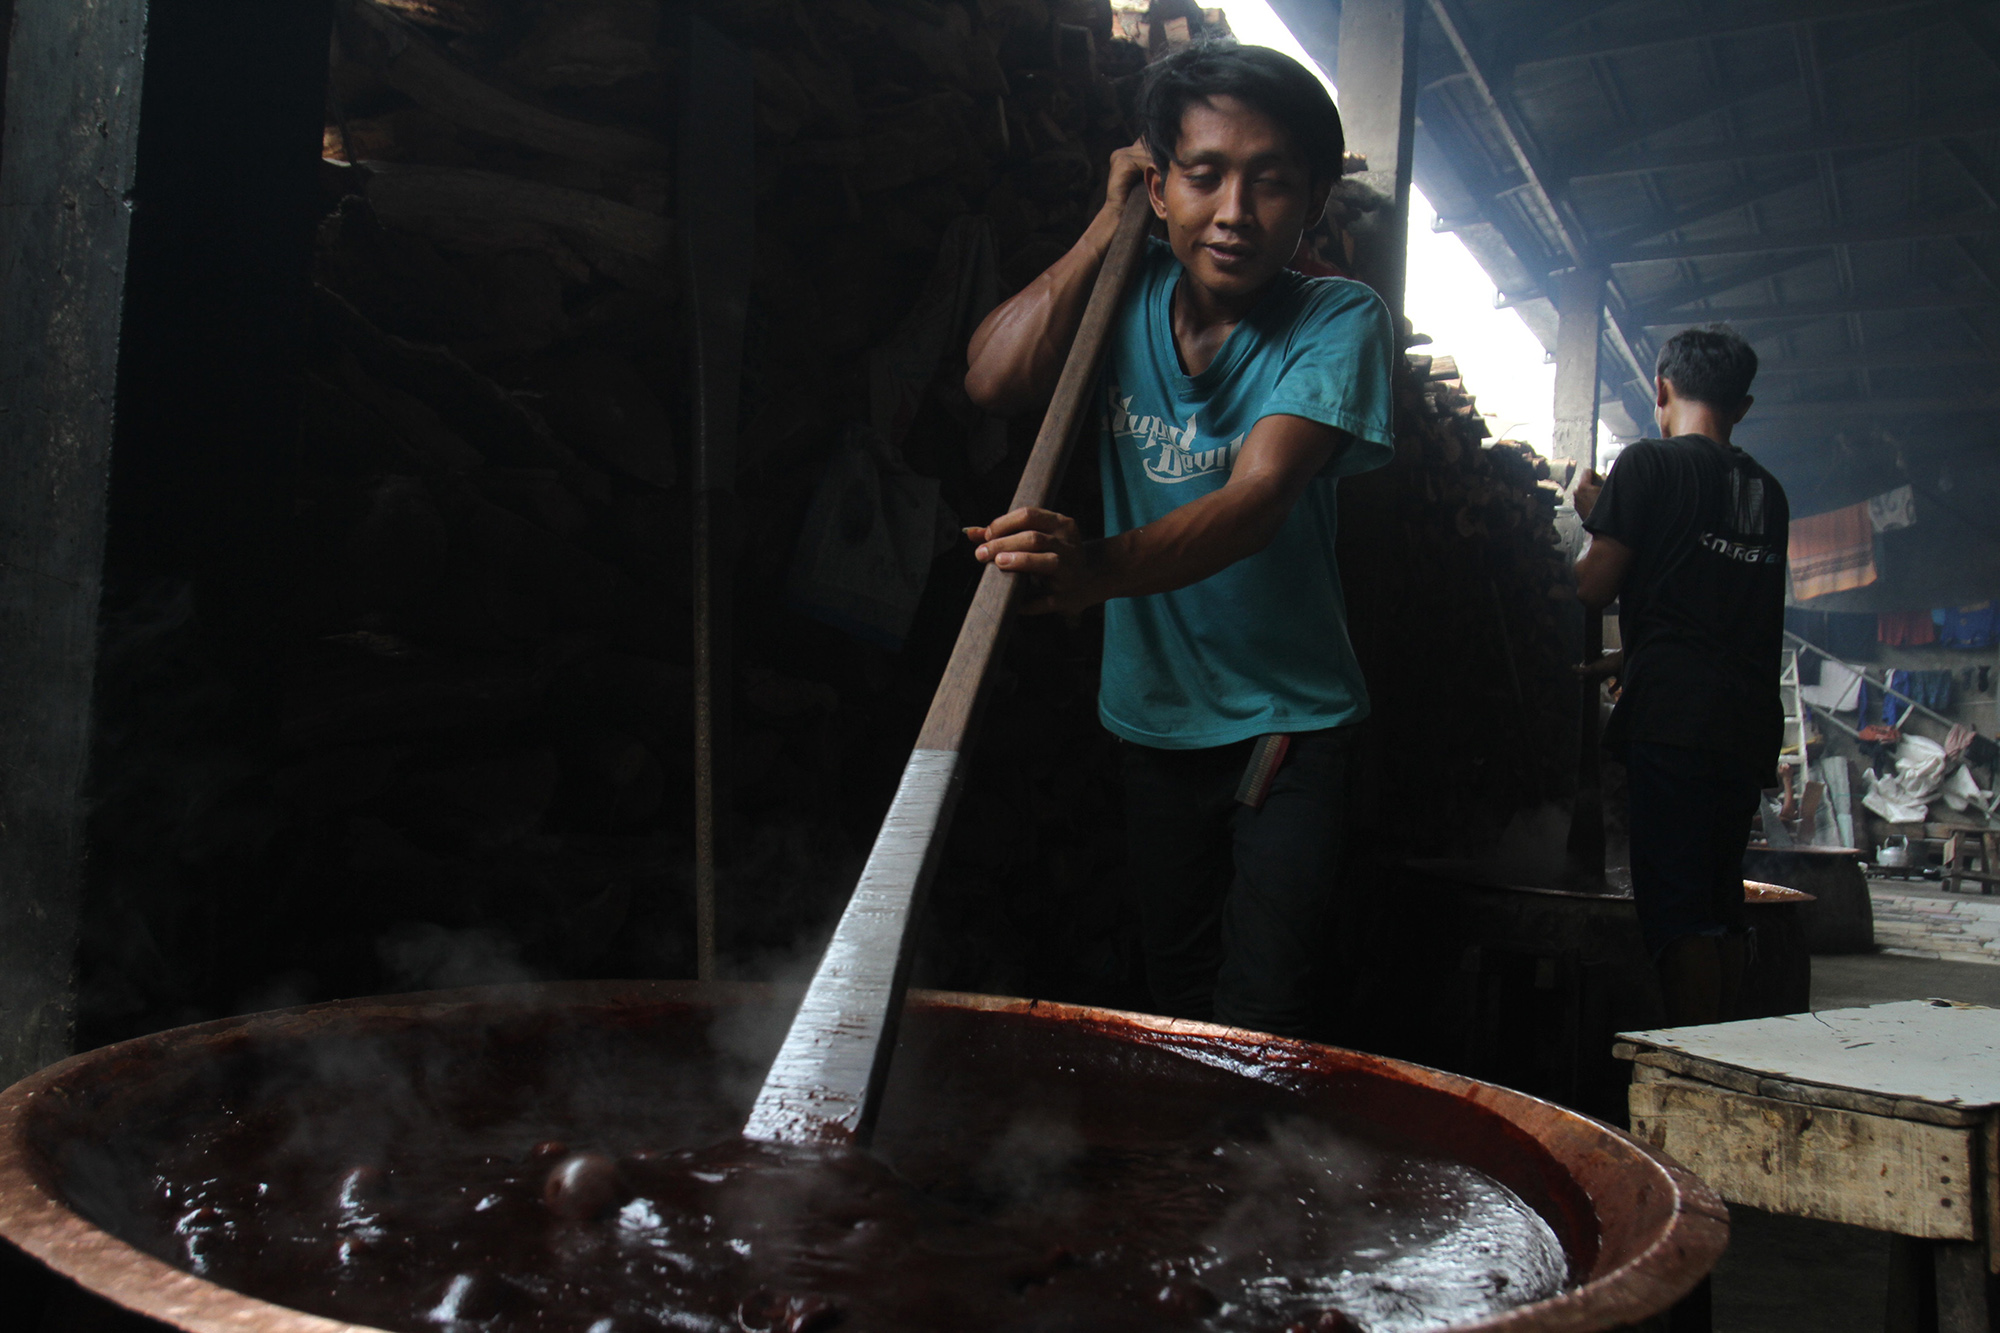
[1822, 174]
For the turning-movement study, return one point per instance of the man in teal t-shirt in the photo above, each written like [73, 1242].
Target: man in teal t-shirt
[1235, 392]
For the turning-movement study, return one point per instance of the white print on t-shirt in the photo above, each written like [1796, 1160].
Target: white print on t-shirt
[1170, 452]
[1741, 552]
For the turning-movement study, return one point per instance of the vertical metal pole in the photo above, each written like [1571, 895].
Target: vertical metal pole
[66, 169]
[717, 196]
[1377, 80]
[1580, 315]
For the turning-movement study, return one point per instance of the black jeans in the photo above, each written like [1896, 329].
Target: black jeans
[1690, 821]
[1234, 902]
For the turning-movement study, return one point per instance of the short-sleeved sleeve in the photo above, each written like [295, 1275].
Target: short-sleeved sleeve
[1623, 506]
[1337, 371]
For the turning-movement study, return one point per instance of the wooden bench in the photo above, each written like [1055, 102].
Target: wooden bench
[1886, 1117]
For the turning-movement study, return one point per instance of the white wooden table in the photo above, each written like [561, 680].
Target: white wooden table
[1886, 1117]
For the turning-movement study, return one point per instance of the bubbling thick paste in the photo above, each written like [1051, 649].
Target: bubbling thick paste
[1037, 1178]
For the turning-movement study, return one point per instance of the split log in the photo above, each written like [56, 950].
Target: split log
[482, 304]
[487, 802]
[412, 64]
[355, 422]
[589, 44]
[601, 406]
[489, 418]
[360, 696]
[644, 697]
[463, 16]
[487, 212]
[916, 142]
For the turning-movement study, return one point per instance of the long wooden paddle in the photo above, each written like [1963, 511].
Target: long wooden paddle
[826, 1084]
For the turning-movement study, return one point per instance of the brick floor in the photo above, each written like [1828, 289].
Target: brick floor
[1929, 923]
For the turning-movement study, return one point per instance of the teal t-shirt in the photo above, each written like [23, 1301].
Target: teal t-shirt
[1262, 645]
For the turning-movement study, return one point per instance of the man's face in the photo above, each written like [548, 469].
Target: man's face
[1235, 198]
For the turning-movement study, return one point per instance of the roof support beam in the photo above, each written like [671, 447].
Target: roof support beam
[1749, 192]
[1843, 408]
[1661, 316]
[1966, 224]
[1983, 177]
[1672, 32]
[1790, 145]
[1919, 20]
[1715, 284]
[1833, 363]
[1540, 180]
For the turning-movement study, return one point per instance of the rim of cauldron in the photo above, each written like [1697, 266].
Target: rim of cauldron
[35, 1218]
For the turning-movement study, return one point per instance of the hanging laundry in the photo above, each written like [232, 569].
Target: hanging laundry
[1892, 510]
[1894, 705]
[1879, 704]
[1957, 741]
[1839, 688]
[1809, 664]
[1932, 689]
[1969, 626]
[1832, 552]
[1910, 629]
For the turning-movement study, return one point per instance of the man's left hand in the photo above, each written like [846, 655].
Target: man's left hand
[1583, 495]
[1610, 665]
[1049, 548]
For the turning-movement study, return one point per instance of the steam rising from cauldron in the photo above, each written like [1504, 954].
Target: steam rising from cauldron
[1532, 851]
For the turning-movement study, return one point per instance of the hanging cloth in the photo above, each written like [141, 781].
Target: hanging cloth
[1968, 626]
[1892, 510]
[1838, 691]
[1910, 629]
[1832, 552]
[1932, 689]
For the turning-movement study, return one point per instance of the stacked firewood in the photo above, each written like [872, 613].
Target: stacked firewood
[1461, 609]
[488, 721]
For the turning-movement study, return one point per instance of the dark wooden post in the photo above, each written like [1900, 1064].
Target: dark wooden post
[67, 156]
[1378, 111]
[200, 517]
[717, 200]
[1580, 313]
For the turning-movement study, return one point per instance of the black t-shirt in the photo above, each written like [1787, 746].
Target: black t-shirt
[1702, 608]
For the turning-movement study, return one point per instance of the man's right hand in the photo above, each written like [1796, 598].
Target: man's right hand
[1016, 355]
[1128, 173]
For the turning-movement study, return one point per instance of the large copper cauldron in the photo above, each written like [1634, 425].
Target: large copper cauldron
[1640, 1232]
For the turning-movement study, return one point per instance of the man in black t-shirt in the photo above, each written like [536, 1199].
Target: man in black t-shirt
[1688, 534]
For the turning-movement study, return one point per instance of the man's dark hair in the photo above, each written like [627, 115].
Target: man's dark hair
[1257, 76]
[1711, 364]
